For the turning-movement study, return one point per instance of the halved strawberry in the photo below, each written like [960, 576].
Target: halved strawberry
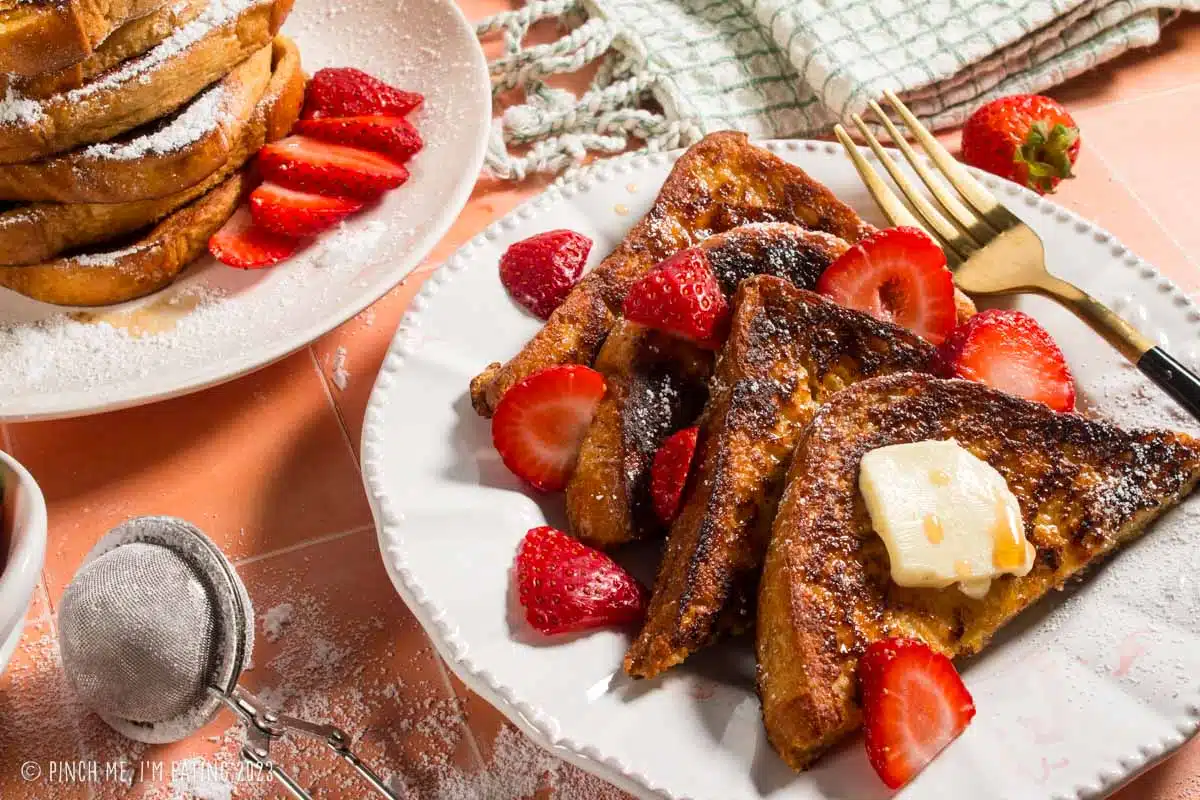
[240, 243]
[669, 473]
[681, 297]
[914, 704]
[299, 162]
[349, 92]
[1010, 351]
[899, 275]
[393, 136]
[290, 212]
[539, 272]
[540, 423]
[566, 586]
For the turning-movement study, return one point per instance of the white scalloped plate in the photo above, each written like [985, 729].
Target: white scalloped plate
[1085, 690]
[267, 314]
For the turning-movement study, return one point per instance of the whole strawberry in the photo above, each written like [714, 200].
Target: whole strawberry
[566, 586]
[539, 272]
[681, 297]
[1026, 138]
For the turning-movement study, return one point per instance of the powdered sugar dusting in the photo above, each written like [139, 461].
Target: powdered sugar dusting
[110, 258]
[340, 375]
[195, 778]
[18, 110]
[276, 619]
[218, 13]
[205, 114]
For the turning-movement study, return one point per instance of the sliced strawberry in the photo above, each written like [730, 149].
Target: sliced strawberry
[540, 423]
[669, 473]
[349, 92]
[289, 212]
[240, 243]
[566, 586]
[393, 136]
[681, 297]
[299, 162]
[539, 272]
[1009, 351]
[899, 275]
[914, 704]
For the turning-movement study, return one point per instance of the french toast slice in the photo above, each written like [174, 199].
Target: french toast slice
[657, 384]
[131, 39]
[145, 88]
[266, 91]
[45, 35]
[1084, 487]
[789, 351]
[90, 279]
[721, 182]
[145, 266]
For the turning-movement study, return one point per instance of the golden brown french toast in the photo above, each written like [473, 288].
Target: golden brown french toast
[1084, 488]
[164, 157]
[268, 91]
[147, 265]
[789, 351]
[657, 384]
[45, 35]
[720, 183]
[103, 278]
[144, 88]
[131, 39]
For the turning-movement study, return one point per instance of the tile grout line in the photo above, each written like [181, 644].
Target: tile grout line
[337, 411]
[332, 537]
[1124, 184]
[1158, 93]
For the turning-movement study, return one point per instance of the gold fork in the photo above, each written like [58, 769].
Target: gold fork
[989, 250]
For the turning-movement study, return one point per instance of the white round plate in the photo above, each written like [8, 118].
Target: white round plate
[54, 366]
[1084, 690]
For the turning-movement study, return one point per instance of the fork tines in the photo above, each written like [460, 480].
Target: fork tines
[963, 225]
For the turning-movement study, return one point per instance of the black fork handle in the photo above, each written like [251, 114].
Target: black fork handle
[1174, 378]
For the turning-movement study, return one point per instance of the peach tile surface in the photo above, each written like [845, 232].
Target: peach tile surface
[267, 465]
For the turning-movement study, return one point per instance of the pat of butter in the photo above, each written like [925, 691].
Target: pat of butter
[944, 515]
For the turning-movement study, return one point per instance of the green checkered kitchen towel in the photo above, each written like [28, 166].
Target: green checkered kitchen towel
[673, 70]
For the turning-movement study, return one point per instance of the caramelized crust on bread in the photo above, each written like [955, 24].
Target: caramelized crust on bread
[133, 167]
[789, 351]
[43, 35]
[131, 39]
[31, 234]
[93, 278]
[146, 266]
[657, 384]
[718, 184]
[144, 88]
[1084, 487]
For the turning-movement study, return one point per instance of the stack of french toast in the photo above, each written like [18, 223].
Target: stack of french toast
[125, 129]
[779, 526]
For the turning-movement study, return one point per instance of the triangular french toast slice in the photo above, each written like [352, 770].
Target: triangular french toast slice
[657, 384]
[1084, 488]
[721, 182]
[788, 352]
